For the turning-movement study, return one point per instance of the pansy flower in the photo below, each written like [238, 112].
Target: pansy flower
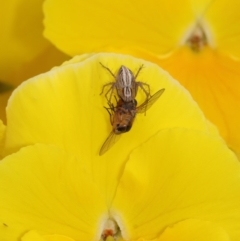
[170, 177]
[196, 41]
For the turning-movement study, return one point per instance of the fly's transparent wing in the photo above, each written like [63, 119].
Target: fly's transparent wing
[149, 102]
[110, 141]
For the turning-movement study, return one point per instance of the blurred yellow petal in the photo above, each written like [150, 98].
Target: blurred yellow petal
[178, 174]
[21, 34]
[45, 189]
[131, 27]
[224, 21]
[64, 107]
[95, 26]
[24, 51]
[190, 230]
[42, 63]
[213, 80]
[21, 39]
[200, 7]
[2, 137]
[5, 90]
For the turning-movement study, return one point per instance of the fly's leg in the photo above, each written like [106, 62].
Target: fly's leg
[140, 68]
[105, 67]
[146, 88]
[109, 90]
[111, 111]
[112, 84]
[104, 86]
[115, 98]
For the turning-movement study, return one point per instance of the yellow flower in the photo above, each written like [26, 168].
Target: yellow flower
[196, 41]
[170, 176]
[24, 51]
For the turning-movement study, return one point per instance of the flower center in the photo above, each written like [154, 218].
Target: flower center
[111, 229]
[197, 39]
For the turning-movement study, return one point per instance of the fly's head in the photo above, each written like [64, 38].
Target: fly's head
[122, 121]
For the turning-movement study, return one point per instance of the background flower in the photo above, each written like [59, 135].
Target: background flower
[24, 51]
[196, 41]
[161, 179]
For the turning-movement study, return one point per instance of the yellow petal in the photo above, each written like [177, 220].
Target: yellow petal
[45, 189]
[21, 34]
[190, 230]
[213, 81]
[57, 238]
[76, 27]
[44, 61]
[200, 7]
[64, 107]
[34, 236]
[24, 51]
[48, 58]
[223, 19]
[2, 136]
[3, 103]
[178, 174]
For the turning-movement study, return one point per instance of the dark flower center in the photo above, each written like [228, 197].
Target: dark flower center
[197, 40]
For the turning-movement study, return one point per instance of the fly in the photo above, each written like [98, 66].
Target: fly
[122, 117]
[125, 84]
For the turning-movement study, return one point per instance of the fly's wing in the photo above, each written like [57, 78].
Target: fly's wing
[110, 141]
[149, 102]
